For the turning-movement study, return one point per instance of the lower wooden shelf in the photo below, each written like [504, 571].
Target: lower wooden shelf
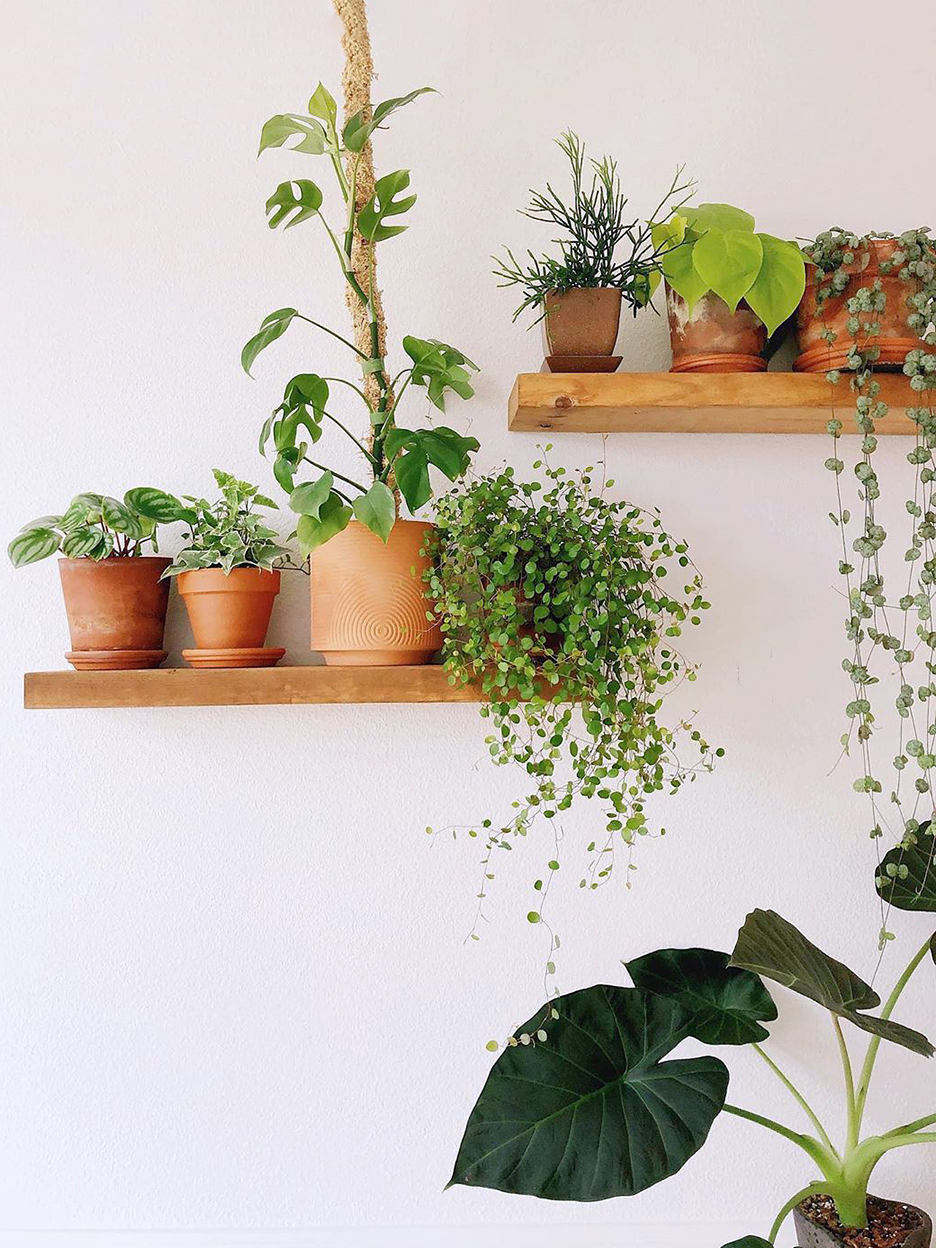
[271, 686]
[699, 403]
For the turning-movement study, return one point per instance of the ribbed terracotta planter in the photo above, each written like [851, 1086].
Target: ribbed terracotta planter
[368, 604]
[896, 337]
[582, 325]
[116, 612]
[230, 615]
[712, 339]
[810, 1235]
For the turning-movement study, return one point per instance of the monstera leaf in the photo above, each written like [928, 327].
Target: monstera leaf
[293, 202]
[357, 130]
[906, 877]
[284, 126]
[271, 328]
[385, 202]
[439, 367]
[592, 1111]
[377, 510]
[768, 945]
[333, 516]
[725, 1004]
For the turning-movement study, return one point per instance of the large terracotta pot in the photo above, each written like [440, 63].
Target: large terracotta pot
[712, 339]
[581, 328]
[230, 614]
[116, 612]
[896, 337]
[814, 1233]
[368, 604]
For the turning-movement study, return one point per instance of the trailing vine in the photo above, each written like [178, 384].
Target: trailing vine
[892, 637]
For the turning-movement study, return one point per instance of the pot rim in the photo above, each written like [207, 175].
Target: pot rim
[121, 559]
[267, 581]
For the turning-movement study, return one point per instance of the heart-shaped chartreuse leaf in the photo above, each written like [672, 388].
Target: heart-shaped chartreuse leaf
[357, 130]
[705, 217]
[726, 1005]
[293, 202]
[779, 284]
[675, 252]
[385, 203]
[906, 877]
[728, 261]
[592, 1111]
[768, 945]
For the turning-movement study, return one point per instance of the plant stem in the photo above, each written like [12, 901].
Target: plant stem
[795, 1137]
[361, 447]
[911, 1126]
[308, 319]
[340, 475]
[851, 1105]
[804, 1104]
[867, 1069]
[814, 1189]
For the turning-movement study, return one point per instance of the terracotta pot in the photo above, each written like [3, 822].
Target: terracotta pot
[368, 605]
[712, 339]
[230, 615]
[896, 337]
[810, 1234]
[116, 612]
[582, 322]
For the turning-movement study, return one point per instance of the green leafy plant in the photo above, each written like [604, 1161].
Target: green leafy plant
[556, 600]
[228, 533]
[892, 640]
[585, 1102]
[391, 453]
[596, 224]
[96, 526]
[713, 247]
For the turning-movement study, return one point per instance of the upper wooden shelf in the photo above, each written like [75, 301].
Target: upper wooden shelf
[697, 403]
[270, 686]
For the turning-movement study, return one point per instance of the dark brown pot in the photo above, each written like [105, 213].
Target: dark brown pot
[810, 1234]
[896, 337]
[582, 322]
[116, 612]
[711, 339]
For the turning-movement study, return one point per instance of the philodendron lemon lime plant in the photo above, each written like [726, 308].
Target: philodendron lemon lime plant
[582, 1106]
[728, 286]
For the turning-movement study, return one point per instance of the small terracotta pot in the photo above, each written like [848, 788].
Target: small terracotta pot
[711, 339]
[810, 1234]
[230, 615]
[368, 604]
[896, 337]
[582, 322]
[116, 612]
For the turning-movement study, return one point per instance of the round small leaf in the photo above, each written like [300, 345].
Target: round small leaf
[906, 877]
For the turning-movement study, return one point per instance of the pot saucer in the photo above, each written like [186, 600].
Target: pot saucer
[115, 660]
[583, 363]
[826, 356]
[235, 656]
[718, 362]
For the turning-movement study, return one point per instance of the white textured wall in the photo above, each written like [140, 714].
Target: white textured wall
[234, 989]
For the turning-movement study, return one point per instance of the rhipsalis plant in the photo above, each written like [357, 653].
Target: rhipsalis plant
[597, 228]
[891, 635]
[558, 601]
[390, 453]
[582, 1106]
[229, 532]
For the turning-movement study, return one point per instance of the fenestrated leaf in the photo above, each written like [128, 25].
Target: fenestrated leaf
[726, 1004]
[768, 945]
[293, 202]
[439, 367]
[728, 261]
[377, 510]
[283, 126]
[780, 283]
[906, 877]
[333, 516]
[357, 131]
[593, 1111]
[385, 203]
[271, 328]
[32, 545]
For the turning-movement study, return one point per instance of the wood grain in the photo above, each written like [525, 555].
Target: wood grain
[242, 687]
[697, 403]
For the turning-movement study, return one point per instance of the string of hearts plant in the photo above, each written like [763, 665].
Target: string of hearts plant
[391, 453]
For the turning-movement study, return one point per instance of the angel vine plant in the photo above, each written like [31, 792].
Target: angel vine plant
[556, 600]
[582, 1106]
[391, 453]
[887, 633]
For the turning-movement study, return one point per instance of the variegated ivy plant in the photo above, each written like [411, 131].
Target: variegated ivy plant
[391, 454]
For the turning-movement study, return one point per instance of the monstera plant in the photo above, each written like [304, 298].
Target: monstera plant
[586, 1103]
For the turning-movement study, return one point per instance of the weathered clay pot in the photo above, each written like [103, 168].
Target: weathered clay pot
[582, 322]
[712, 339]
[896, 337]
[811, 1235]
[230, 615]
[368, 604]
[116, 612]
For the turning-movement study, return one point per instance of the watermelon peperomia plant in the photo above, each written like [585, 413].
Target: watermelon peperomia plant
[96, 526]
[582, 1104]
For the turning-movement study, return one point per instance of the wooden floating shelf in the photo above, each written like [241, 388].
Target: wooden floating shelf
[271, 686]
[697, 403]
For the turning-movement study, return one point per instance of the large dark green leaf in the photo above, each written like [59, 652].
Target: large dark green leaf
[725, 1003]
[906, 877]
[411, 471]
[592, 1111]
[333, 516]
[768, 945]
